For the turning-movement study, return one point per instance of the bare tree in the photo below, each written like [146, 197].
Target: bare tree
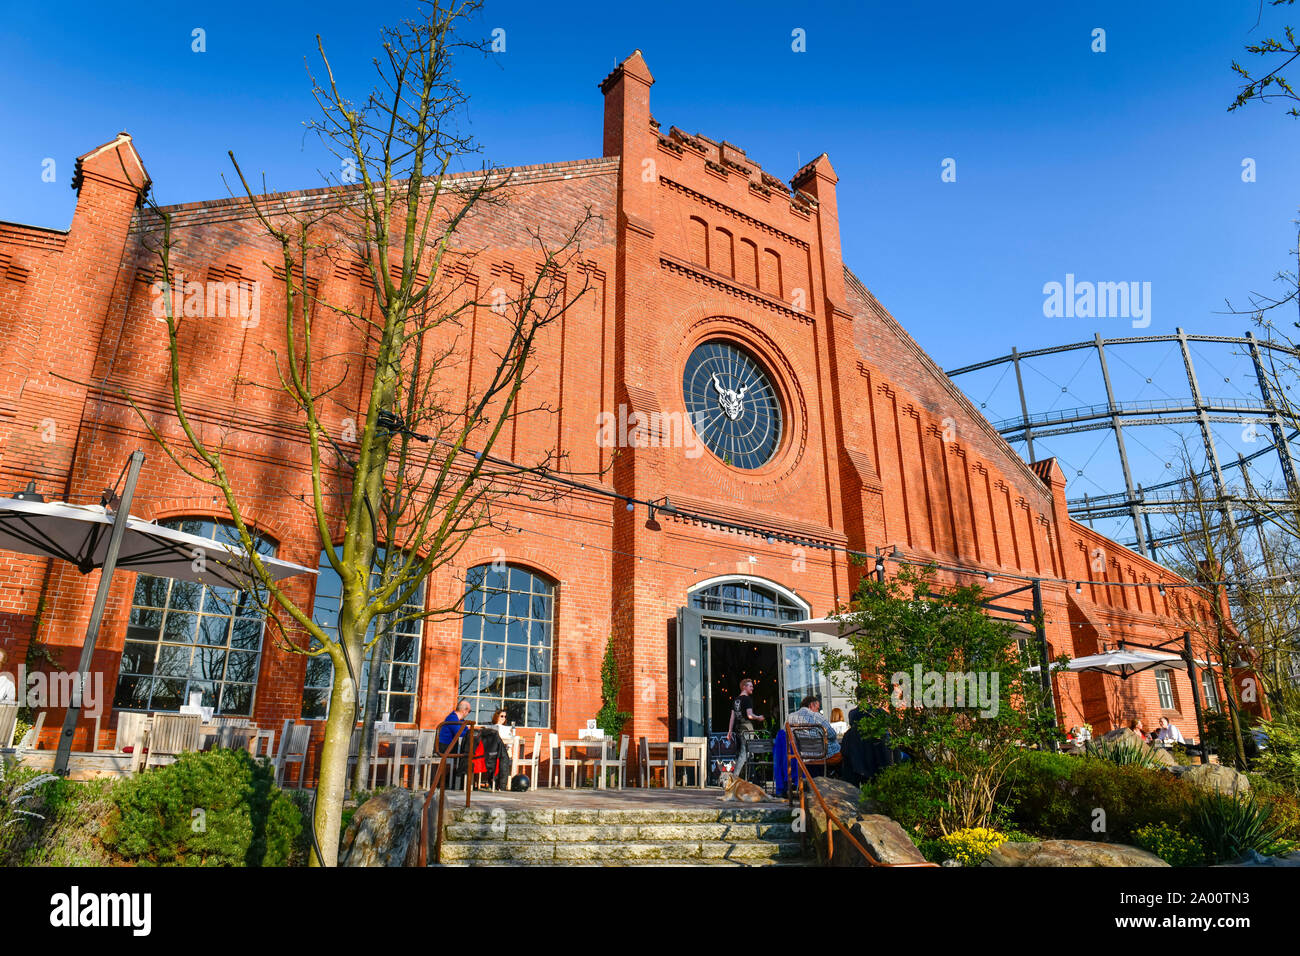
[399, 485]
[1207, 542]
[1270, 85]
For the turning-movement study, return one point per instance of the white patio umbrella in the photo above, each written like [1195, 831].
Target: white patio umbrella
[1123, 663]
[79, 534]
[822, 625]
[90, 537]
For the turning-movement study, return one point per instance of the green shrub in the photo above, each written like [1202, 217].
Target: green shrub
[1057, 796]
[219, 808]
[22, 795]
[1284, 802]
[1229, 826]
[71, 832]
[1219, 735]
[1127, 753]
[1280, 763]
[911, 794]
[1172, 846]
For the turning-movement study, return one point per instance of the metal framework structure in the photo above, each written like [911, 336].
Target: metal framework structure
[1139, 503]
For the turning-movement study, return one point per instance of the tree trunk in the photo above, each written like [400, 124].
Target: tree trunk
[366, 751]
[333, 771]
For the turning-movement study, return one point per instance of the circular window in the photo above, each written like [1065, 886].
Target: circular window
[732, 404]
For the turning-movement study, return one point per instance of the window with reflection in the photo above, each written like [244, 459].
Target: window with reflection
[399, 673]
[747, 599]
[506, 640]
[184, 638]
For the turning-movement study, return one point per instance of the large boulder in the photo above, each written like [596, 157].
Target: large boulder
[1122, 735]
[1216, 777]
[843, 798]
[1163, 757]
[384, 831]
[1071, 853]
[885, 840]
[882, 837]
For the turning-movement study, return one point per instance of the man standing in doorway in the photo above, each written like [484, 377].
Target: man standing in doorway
[742, 720]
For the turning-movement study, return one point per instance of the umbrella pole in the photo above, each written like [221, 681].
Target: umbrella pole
[73, 711]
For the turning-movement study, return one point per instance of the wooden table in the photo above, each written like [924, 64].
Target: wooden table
[601, 742]
[396, 741]
[701, 768]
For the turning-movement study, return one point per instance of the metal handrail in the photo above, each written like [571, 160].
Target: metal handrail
[832, 819]
[438, 786]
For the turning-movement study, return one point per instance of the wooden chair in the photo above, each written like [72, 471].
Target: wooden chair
[529, 764]
[231, 721]
[33, 735]
[171, 735]
[646, 767]
[580, 760]
[425, 761]
[405, 752]
[553, 760]
[694, 757]
[133, 736]
[616, 763]
[129, 726]
[236, 737]
[354, 754]
[293, 749]
[8, 724]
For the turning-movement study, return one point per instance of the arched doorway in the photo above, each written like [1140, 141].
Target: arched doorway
[734, 627]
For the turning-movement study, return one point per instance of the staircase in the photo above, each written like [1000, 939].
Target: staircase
[728, 835]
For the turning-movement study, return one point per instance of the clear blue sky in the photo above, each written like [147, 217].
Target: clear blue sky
[1121, 165]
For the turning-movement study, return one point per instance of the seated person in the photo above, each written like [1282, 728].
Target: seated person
[447, 734]
[496, 750]
[838, 722]
[1167, 734]
[810, 712]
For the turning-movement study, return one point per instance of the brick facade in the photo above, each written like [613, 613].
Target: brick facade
[696, 243]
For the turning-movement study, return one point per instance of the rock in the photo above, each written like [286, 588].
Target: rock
[843, 798]
[1215, 776]
[1071, 853]
[1163, 757]
[1124, 735]
[384, 831]
[885, 840]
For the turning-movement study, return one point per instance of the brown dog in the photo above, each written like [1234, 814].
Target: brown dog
[742, 790]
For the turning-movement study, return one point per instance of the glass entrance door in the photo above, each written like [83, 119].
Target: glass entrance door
[802, 676]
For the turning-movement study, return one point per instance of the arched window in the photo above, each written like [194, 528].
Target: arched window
[506, 640]
[184, 638]
[749, 598]
[400, 671]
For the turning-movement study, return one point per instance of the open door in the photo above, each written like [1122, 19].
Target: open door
[692, 659]
[803, 677]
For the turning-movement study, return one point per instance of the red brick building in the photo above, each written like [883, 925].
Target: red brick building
[842, 434]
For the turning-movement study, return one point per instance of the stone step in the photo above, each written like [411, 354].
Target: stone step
[763, 813]
[555, 851]
[783, 861]
[623, 832]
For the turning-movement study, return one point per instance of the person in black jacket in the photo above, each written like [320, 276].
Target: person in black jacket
[496, 750]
